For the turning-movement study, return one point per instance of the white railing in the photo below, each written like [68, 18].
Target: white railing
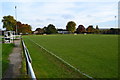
[29, 68]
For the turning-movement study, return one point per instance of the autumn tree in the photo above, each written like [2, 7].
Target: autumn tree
[23, 28]
[9, 23]
[80, 29]
[71, 26]
[90, 29]
[26, 29]
[50, 29]
[19, 27]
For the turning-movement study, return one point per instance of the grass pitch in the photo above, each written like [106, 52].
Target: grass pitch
[95, 55]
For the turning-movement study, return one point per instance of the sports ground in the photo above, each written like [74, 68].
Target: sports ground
[93, 55]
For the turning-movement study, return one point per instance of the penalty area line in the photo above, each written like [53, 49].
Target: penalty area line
[62, 60]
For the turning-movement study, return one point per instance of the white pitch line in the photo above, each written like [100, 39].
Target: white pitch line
[63, 60]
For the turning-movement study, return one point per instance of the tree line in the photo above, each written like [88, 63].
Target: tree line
[71, 28]
[10, 24]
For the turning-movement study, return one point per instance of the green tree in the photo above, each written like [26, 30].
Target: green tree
[71, 26]
[45, 29]
[97, 27]
[9, 22]
[51, 29]
[97, 30]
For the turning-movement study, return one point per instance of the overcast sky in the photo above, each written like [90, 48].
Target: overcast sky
[40, 13]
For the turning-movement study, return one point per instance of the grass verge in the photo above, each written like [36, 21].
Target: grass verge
[6, 50]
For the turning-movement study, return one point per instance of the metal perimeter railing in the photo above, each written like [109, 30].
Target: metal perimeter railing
[29, 68]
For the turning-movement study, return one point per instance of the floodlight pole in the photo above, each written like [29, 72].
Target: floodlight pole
[115, 21]
[16, 18]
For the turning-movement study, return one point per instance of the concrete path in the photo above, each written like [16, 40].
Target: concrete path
[15, 62]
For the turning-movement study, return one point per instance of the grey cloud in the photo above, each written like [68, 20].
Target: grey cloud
[39, 20]
[67, 16]
[50, 19]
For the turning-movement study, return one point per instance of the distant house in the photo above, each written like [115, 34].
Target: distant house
[111, 31]
[0, 32]
[39, 31]
[62, 31]
[35, 32]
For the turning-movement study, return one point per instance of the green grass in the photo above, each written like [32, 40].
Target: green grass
[6, 50]
[95, 55]
[0, 38]
[46, 66]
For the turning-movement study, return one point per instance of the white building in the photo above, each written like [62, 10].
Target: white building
[62, 31]
[9, 36]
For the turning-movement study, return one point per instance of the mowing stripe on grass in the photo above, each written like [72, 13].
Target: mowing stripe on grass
[62, 60]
